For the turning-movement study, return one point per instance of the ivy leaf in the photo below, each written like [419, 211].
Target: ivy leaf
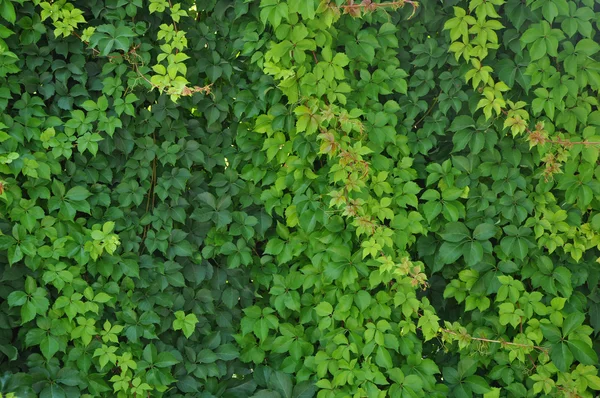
[227, 352]
[28, 312]
[186, 323]
[273, 11]
[583, 352]
[484, 231]
[49, 346]
[572, 322]
[461, 123]
[324, 309]
[515, 246]
[588, 47]
[17, 298]
[7, 10]
[207, 356]
[561, 356]
[473, 252]
[456, 232]
[282, 383]
[110, 38]
[383, 358]
[478, 384]
[450, 252]
[77, 194]
[306, 9]
[53, 390]
[551, 332]
[274, 246]
[165, 359]
[305, 389]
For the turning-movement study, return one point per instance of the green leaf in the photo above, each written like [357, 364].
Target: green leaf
[324, 309]
[362, 300]
[493, 393]
[461, 123]
[551, 332]
[266, 394]
[165, 359]
[7, 11]
[587, 47]
[455, 232]
[109, 38]
[282, 383]
[49, 346]
[227, 352]
[306, 9]
[561, 356]
[253, 312]
[583, 352]
[514, 246]
[28, 312]
[186, 323]
[207, 356]
[383, 358]
[478, 384]
[472, 252]
[572, 322]
[538, 49]
[274, 246]
[531, 34]
[450, 252]
[484, 231]
[102, 298]
[305, 389]
[53, 390]
[17, 298]
[77, 193]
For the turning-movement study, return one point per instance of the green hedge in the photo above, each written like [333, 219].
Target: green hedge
[273, 198]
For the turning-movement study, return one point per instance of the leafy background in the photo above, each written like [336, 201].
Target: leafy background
[295, 199]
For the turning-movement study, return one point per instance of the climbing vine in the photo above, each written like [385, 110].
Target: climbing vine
[299, 198]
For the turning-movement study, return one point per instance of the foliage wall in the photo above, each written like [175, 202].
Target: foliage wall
[275, 198]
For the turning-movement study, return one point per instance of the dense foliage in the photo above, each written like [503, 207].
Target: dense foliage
[273, 198]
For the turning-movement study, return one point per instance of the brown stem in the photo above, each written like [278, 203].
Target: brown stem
[543, 349]
[140, 74]
[151, 196]
[153, 176]
[428, 110]
[368, 5]
[566, 142]
[532, 361]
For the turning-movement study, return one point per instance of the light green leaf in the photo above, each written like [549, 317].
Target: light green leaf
[324, 309]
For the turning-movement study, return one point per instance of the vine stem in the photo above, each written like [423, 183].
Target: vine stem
[429, 110]
[501, 342]
[368, 5]
[566, 142]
